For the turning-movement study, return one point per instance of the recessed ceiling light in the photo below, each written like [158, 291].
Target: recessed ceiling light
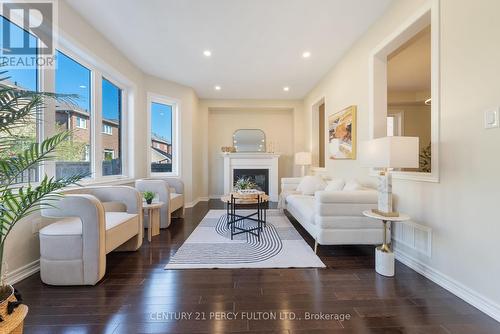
[217, 88]
[306, 54]
[286, 89]
[207, 53]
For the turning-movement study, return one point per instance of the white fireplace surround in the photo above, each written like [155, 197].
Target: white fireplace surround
[268, 161]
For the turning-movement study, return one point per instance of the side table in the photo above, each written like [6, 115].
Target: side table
[153, 211]
[384, 257]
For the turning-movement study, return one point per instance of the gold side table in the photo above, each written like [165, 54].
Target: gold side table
[384, 257]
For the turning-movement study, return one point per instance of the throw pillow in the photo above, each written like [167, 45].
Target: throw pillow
[352, 185]
[310, 184]
[335, 185]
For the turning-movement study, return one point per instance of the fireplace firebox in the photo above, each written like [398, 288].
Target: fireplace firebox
[259, 176]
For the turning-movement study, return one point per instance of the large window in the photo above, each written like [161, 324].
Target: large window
[111, 128]
[163, 130]
[97, 138]
[25, 79]
[74, 115]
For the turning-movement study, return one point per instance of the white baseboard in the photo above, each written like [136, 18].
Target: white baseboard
[196, 201]
[215, 196]
[470, 296]
[21, 273]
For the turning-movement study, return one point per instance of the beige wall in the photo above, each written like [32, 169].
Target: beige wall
[259, 113]
[462, 208]
[223, 123]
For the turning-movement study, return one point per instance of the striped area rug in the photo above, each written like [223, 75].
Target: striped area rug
[210, 245]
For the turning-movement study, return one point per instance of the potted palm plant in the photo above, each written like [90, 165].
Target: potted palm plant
[18, 108]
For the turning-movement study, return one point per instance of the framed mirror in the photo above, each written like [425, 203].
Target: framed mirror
[249, 140]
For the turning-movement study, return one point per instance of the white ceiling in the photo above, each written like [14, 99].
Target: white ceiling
[256, 45]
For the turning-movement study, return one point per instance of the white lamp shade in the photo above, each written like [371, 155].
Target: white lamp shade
[390, 152]
[303, 158]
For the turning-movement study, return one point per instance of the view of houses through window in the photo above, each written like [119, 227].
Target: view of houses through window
[73, 156]
[73, 114]
[111, 128]
[161, 138]
[25, 79]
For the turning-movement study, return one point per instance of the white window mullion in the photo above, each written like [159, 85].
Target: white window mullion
[47, 83]
[97, 155]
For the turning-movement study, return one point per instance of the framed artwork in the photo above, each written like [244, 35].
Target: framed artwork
[342, 134]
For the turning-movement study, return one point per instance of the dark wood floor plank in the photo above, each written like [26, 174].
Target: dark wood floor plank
[138, 296]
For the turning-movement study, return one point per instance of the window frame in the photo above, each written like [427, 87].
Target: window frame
[80, 121]
[97, 74]
[176, 122]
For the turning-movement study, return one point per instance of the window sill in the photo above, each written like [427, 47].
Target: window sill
[160, 175]
[111, 180]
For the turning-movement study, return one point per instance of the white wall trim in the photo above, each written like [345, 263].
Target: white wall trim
[196, 201]
[470, 296]
[23, 272]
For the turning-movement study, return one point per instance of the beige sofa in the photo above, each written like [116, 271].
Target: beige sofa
[91, 222]
[169, 191]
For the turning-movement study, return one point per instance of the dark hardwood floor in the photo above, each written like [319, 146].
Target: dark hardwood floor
[138, 296]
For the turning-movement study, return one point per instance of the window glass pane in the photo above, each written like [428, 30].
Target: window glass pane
[111, 129]
[73, 155]
[161, 138]
[24, 78]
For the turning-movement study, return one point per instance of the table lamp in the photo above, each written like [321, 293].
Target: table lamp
[387, 153]
[303, 159]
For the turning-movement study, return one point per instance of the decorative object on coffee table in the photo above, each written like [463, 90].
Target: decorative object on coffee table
[388, 153]
[153, 210]
[384, 257]
[148, 196]
[258, 200]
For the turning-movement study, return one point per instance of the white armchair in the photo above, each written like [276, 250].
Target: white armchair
[91, 222]
[169, 191]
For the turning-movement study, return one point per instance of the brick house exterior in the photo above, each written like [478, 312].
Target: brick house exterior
[78, 121]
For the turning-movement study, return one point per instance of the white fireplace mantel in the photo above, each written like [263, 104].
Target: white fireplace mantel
[256, 160]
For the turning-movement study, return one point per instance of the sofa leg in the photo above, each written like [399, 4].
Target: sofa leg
[315, 246]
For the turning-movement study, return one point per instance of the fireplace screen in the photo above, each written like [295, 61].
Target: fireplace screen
[259, 176]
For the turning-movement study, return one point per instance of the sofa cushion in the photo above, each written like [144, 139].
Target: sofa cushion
[303, 206]
[353, 185]
[310, 184]
[335, 185]
[176, 201]
[349, 223]
[120, 227]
